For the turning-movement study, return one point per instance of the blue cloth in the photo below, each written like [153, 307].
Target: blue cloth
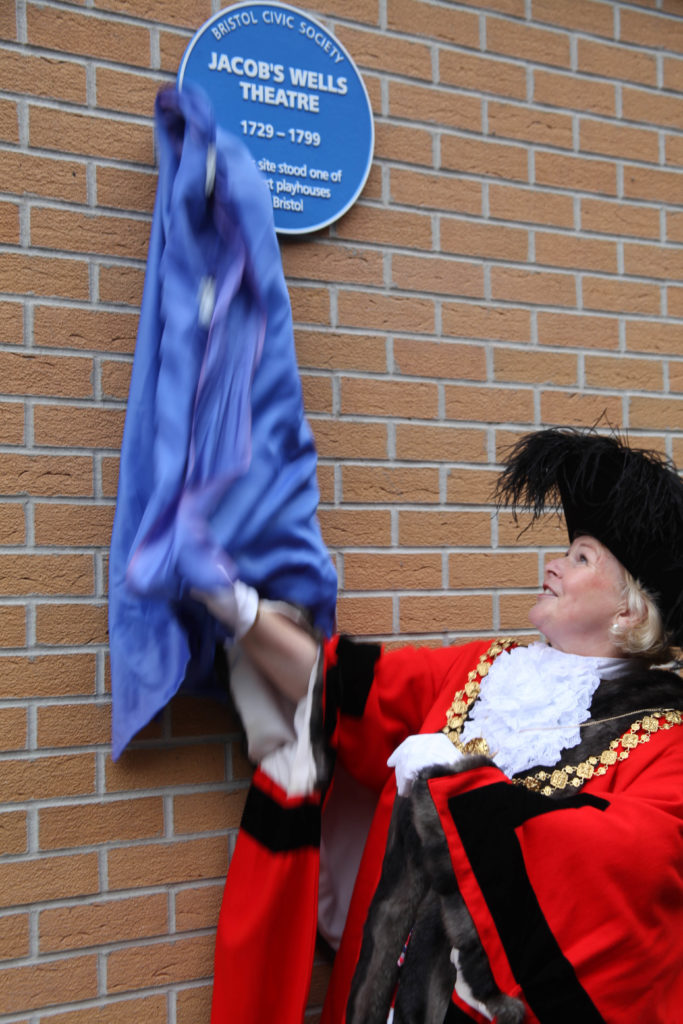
[218, 463]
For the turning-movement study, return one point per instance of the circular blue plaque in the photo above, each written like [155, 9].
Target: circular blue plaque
[291, 92]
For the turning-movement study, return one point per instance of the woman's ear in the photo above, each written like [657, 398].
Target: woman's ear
[628, 618]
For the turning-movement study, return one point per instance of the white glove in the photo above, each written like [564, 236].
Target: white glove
[236, 607]
[418, 752]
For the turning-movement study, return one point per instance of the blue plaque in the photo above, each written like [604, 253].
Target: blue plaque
[282, 83]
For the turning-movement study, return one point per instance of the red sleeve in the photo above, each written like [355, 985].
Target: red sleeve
[376, 698]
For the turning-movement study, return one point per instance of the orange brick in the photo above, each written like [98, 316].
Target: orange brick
[471, 486]
[110, 476]
[516, 8]
[674, 299]
[651, 184]
[64, 327]
[495, 323]
[43, 275]
[653, 30]
[340, 440]
[622, 373]
[390, 227]
[618, 140]
[167, 863]
[574, 93]
[676, 377]
[585, 15]
[46, 574]
[529, 124]
[355, 528]
[416, 442]
[166, 11]
[62, 376]
[461, 27]
[534, 45]
[533, 367]
[8, 22]
[181, 766]
[620, 296]
[89, 233]
[11, 323]
[435, 105]
[385, 312]
[12, 524]
[121, 284]
[532, 286]
[532, 206]
[13, 832]
[366, 571]
[47, 983]
[9, 223]
[436, 191]
[73, 525]
[103, 921]
[365, 616]
[9, 121]
[442, 359]
[310, 305]
[482, 74]
[514, 611]
[325, 262]
[207, 812]
[656, 413]
[390, 484]
[339, 351]
[612, 218]
[88, 823]
[439, 614]
[126, 92]
[13, 729]
[45, 777]
[576, 410]
[73, 725]
[491, 159]
[652, 107]
[560, 250]
[194, 1004]
[489, 405]
[492, 569]
[45, 176]
[47, 675]
[317, 393]
[387, 53]
[584, 175]
[673, 73]
[166, 962]
[172, 46]
[443, 528]
[400, 142]
[73, 32]
[434, 274]
[125, 189]
[12, 422]
[372, 397]
[152, 1009]
[42, 76]
[653, 261]
[548, 531]
[478, 238]
[14, 936]
[616, 61]
[200, 716]
[71, 624]
[674, 150]
[198, 908]
[73, 426]
[46, 475]
[90, 135]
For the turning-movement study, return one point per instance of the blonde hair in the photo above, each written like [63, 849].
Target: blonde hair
[647, 639]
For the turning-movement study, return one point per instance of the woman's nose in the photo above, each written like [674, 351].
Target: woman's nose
[554, 566]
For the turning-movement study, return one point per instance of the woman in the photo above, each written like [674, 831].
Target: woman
[533, 865]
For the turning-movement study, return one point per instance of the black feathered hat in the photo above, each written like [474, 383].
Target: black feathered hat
[630, 499]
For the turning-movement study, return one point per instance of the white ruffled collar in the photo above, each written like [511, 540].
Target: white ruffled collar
[532, 702]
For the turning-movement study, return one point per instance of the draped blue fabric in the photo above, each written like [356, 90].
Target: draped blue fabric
[217, 476]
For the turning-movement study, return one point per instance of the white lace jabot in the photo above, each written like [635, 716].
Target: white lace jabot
[532, 702]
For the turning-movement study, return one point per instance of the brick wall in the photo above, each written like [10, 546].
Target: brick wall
[516, 259]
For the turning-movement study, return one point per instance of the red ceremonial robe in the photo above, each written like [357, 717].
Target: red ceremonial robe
[578, 900]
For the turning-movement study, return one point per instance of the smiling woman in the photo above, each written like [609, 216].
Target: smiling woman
[517, 791]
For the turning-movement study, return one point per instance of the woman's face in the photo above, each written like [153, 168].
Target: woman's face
[581, 599]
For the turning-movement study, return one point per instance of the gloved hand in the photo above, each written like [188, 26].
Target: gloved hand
[236, 606]
[418, 752]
